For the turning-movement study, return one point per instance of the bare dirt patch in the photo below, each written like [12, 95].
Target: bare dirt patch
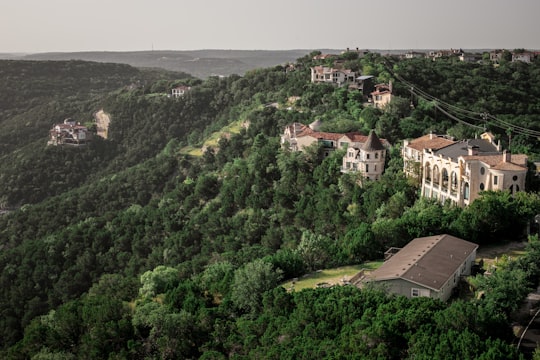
[102, 120]
[491, 254]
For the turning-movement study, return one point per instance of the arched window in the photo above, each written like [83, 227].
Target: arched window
[453, 182]
[436, 175]
[466, 191]
[427, 172]
[444, 179]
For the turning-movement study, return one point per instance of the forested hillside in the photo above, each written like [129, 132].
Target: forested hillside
[130, 249]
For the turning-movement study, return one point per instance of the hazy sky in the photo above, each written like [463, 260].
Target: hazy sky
[122, 25]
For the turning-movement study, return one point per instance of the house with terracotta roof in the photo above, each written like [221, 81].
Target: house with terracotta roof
[382, 95]
[70, 133]
[459, 171]
[366, 156]
[429, 266]
[413, 152]
[297, 136]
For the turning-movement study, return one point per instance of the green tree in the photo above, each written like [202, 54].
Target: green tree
[156, 281]
[250, 283]
[316, 250]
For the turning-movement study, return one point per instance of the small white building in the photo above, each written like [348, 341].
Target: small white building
[180, 91]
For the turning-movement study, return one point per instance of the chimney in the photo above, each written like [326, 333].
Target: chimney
[431, 137]
[472, 150]
[507, 156]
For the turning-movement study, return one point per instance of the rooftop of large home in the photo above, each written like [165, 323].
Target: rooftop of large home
[430, 141]
[428, 261]
[467, 147]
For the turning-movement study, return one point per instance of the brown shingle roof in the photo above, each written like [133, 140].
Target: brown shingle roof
[429, 261]
[372, 143]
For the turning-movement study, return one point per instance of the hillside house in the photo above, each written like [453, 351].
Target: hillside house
[458, 172]
[496, 55]
[525, 56]
[414, 55]
[382, 95]
[429, 266]
[413, 152]
[70, 133]
[180, 91]
[299, 136]
[438, 54]
[366, 156]
[468, 57]
[324, 56]
[323, 74]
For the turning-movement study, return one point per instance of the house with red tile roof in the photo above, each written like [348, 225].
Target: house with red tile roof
[382, 95]
[364, 154]
[458, 171]
[413, 152]
[70, 133]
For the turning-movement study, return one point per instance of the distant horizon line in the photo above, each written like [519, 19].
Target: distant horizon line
[268, 50]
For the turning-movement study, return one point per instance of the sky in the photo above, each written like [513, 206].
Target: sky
[32, 26]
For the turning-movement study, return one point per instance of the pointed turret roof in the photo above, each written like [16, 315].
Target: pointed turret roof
[373, 143]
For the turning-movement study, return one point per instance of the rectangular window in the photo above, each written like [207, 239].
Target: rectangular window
[367, 156]
[419, 292]
[376, 155]
[367, 167]
[495, 180]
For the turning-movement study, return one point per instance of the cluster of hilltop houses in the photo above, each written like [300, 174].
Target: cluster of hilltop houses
[446, 169]
[495, 55]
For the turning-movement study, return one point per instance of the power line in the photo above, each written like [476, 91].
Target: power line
[455, 112]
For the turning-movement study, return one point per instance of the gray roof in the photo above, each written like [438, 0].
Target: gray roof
[429, 261]
[460, 148]
[364, 77]
[373, 143]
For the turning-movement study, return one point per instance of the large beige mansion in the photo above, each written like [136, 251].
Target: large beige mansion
[457, 171]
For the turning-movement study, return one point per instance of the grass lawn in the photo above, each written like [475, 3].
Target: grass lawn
[213, 140]
[329, 276]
